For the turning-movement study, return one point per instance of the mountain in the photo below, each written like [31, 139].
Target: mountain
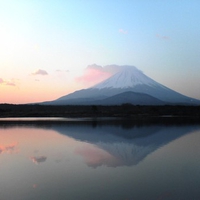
[132, 86]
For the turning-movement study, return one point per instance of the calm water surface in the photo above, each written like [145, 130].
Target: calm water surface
[92, 161]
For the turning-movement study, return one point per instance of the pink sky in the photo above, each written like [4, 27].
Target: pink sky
[42, 85]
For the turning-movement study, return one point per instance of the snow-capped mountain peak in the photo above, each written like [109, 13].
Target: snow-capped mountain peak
[128, 85]
[128, 76]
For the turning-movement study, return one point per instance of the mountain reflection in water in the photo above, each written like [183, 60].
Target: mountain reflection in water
[99, 160]
[128, 146]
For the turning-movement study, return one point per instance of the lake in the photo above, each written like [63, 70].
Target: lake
[63, 159]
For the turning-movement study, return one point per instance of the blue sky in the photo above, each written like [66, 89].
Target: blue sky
[61, 38]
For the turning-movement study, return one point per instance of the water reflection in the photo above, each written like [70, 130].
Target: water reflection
[99, 160]
[117, 146]
[38, 159]
[9, 148]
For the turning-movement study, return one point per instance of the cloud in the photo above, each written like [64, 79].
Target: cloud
[123, 31]
[8, 83]
[95, 66]
[163, 37]
[112, 69]
[40, 72]
[38, 159]
[94, 74]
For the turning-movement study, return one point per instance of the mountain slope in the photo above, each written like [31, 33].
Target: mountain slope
[130, 98]
[118, 99]
[128, 79]
[132, 79]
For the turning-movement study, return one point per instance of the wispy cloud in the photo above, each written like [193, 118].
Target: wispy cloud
[40, 72]
[8, 83]
[123, 31]
[163, 37]
[93, 74]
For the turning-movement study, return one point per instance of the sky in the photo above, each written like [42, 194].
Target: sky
[51, 48]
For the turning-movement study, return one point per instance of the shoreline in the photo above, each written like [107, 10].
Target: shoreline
[93, 111]
[125, 115]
